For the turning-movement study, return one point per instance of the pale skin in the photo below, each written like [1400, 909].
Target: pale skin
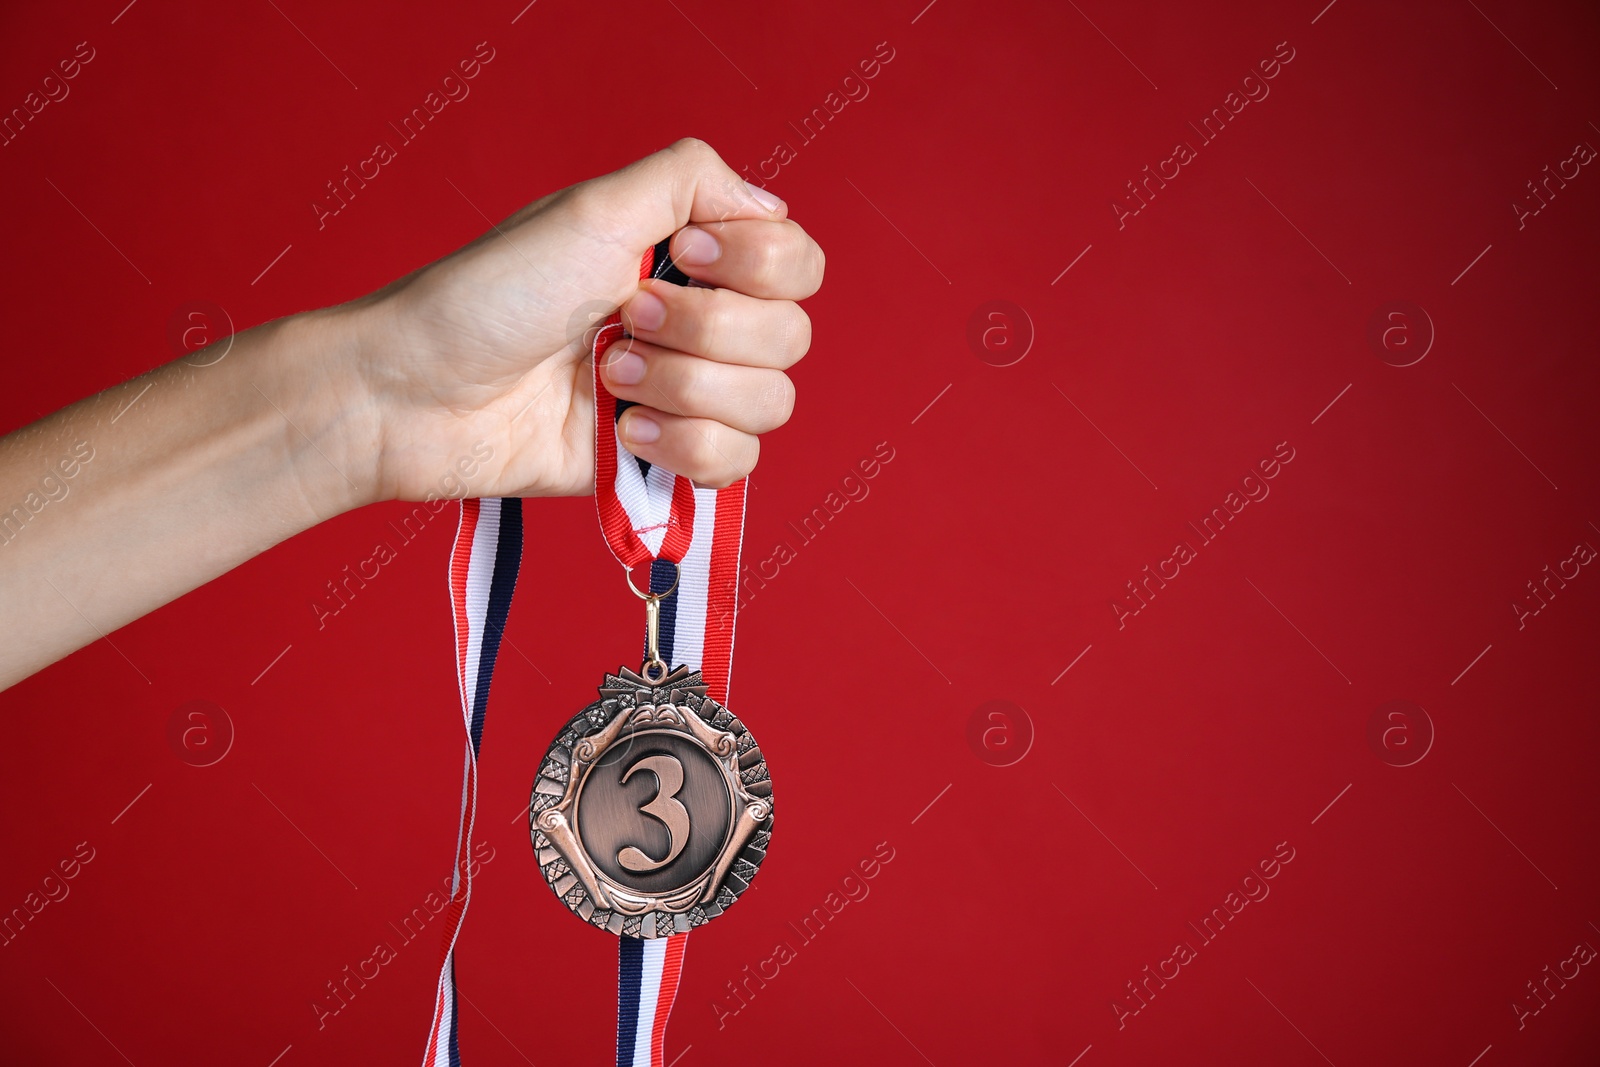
[198, 466]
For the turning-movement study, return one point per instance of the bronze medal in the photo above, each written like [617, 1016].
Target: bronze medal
[652, 809]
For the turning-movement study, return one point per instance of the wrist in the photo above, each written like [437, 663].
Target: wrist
[316, 381]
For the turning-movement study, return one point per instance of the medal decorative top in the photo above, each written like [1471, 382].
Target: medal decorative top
[653, 807]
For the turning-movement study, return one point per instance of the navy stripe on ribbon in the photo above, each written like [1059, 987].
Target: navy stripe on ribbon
[662, 267]
[630, 977]
[455, 1029]
[507, 558]
[662, 574]
[644, 466]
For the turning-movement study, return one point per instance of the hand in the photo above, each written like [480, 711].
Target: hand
[480, 354]
[488, 344]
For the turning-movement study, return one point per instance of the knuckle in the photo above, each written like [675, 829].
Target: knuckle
[689, 146]
[813, 262]
[744, 459]
[778, 401]
[752, 454]
[795, 339]
[693, 153]
[766, 263]
[709, 456]
[723, 455]
[713, 320]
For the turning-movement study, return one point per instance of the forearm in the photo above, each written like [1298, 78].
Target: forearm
[134, 496]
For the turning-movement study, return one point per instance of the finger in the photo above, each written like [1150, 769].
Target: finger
[702, 450]
[685, 182]
[719, 324]
[754, 256]
[748, 399]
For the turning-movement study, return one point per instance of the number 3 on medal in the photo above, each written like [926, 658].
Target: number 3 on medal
[665, 807]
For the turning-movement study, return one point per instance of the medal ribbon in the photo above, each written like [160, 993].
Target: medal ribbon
[483, 573]
[646, 513]
[691, 534]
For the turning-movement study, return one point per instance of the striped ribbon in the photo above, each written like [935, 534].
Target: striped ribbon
[647, 514]
[647, 983]
[483, 573]
[694, 534]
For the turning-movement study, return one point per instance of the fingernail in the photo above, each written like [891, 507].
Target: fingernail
[646, 311]
[626, 369]
[640, 429]
[764, 198]
[696, 247]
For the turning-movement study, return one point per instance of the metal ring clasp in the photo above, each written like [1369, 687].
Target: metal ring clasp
[677, 572]
[655, 669]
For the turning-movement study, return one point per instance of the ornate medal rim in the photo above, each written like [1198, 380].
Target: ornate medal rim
[630, 705]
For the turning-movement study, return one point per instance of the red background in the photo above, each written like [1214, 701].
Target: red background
[1223, 719]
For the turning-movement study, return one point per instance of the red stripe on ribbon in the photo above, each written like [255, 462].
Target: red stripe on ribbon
[460, 560]
[722, 592]
[620, 534]
[671, 970]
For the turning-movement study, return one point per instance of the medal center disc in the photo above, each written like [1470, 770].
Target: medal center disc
[654, 812]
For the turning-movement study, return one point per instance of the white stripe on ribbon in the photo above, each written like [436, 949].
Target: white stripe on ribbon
[445, 1012]
[480, 576]
[655, 955]
[646, 498]
[694, 581]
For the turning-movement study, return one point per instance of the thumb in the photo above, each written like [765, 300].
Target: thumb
[685, 182]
